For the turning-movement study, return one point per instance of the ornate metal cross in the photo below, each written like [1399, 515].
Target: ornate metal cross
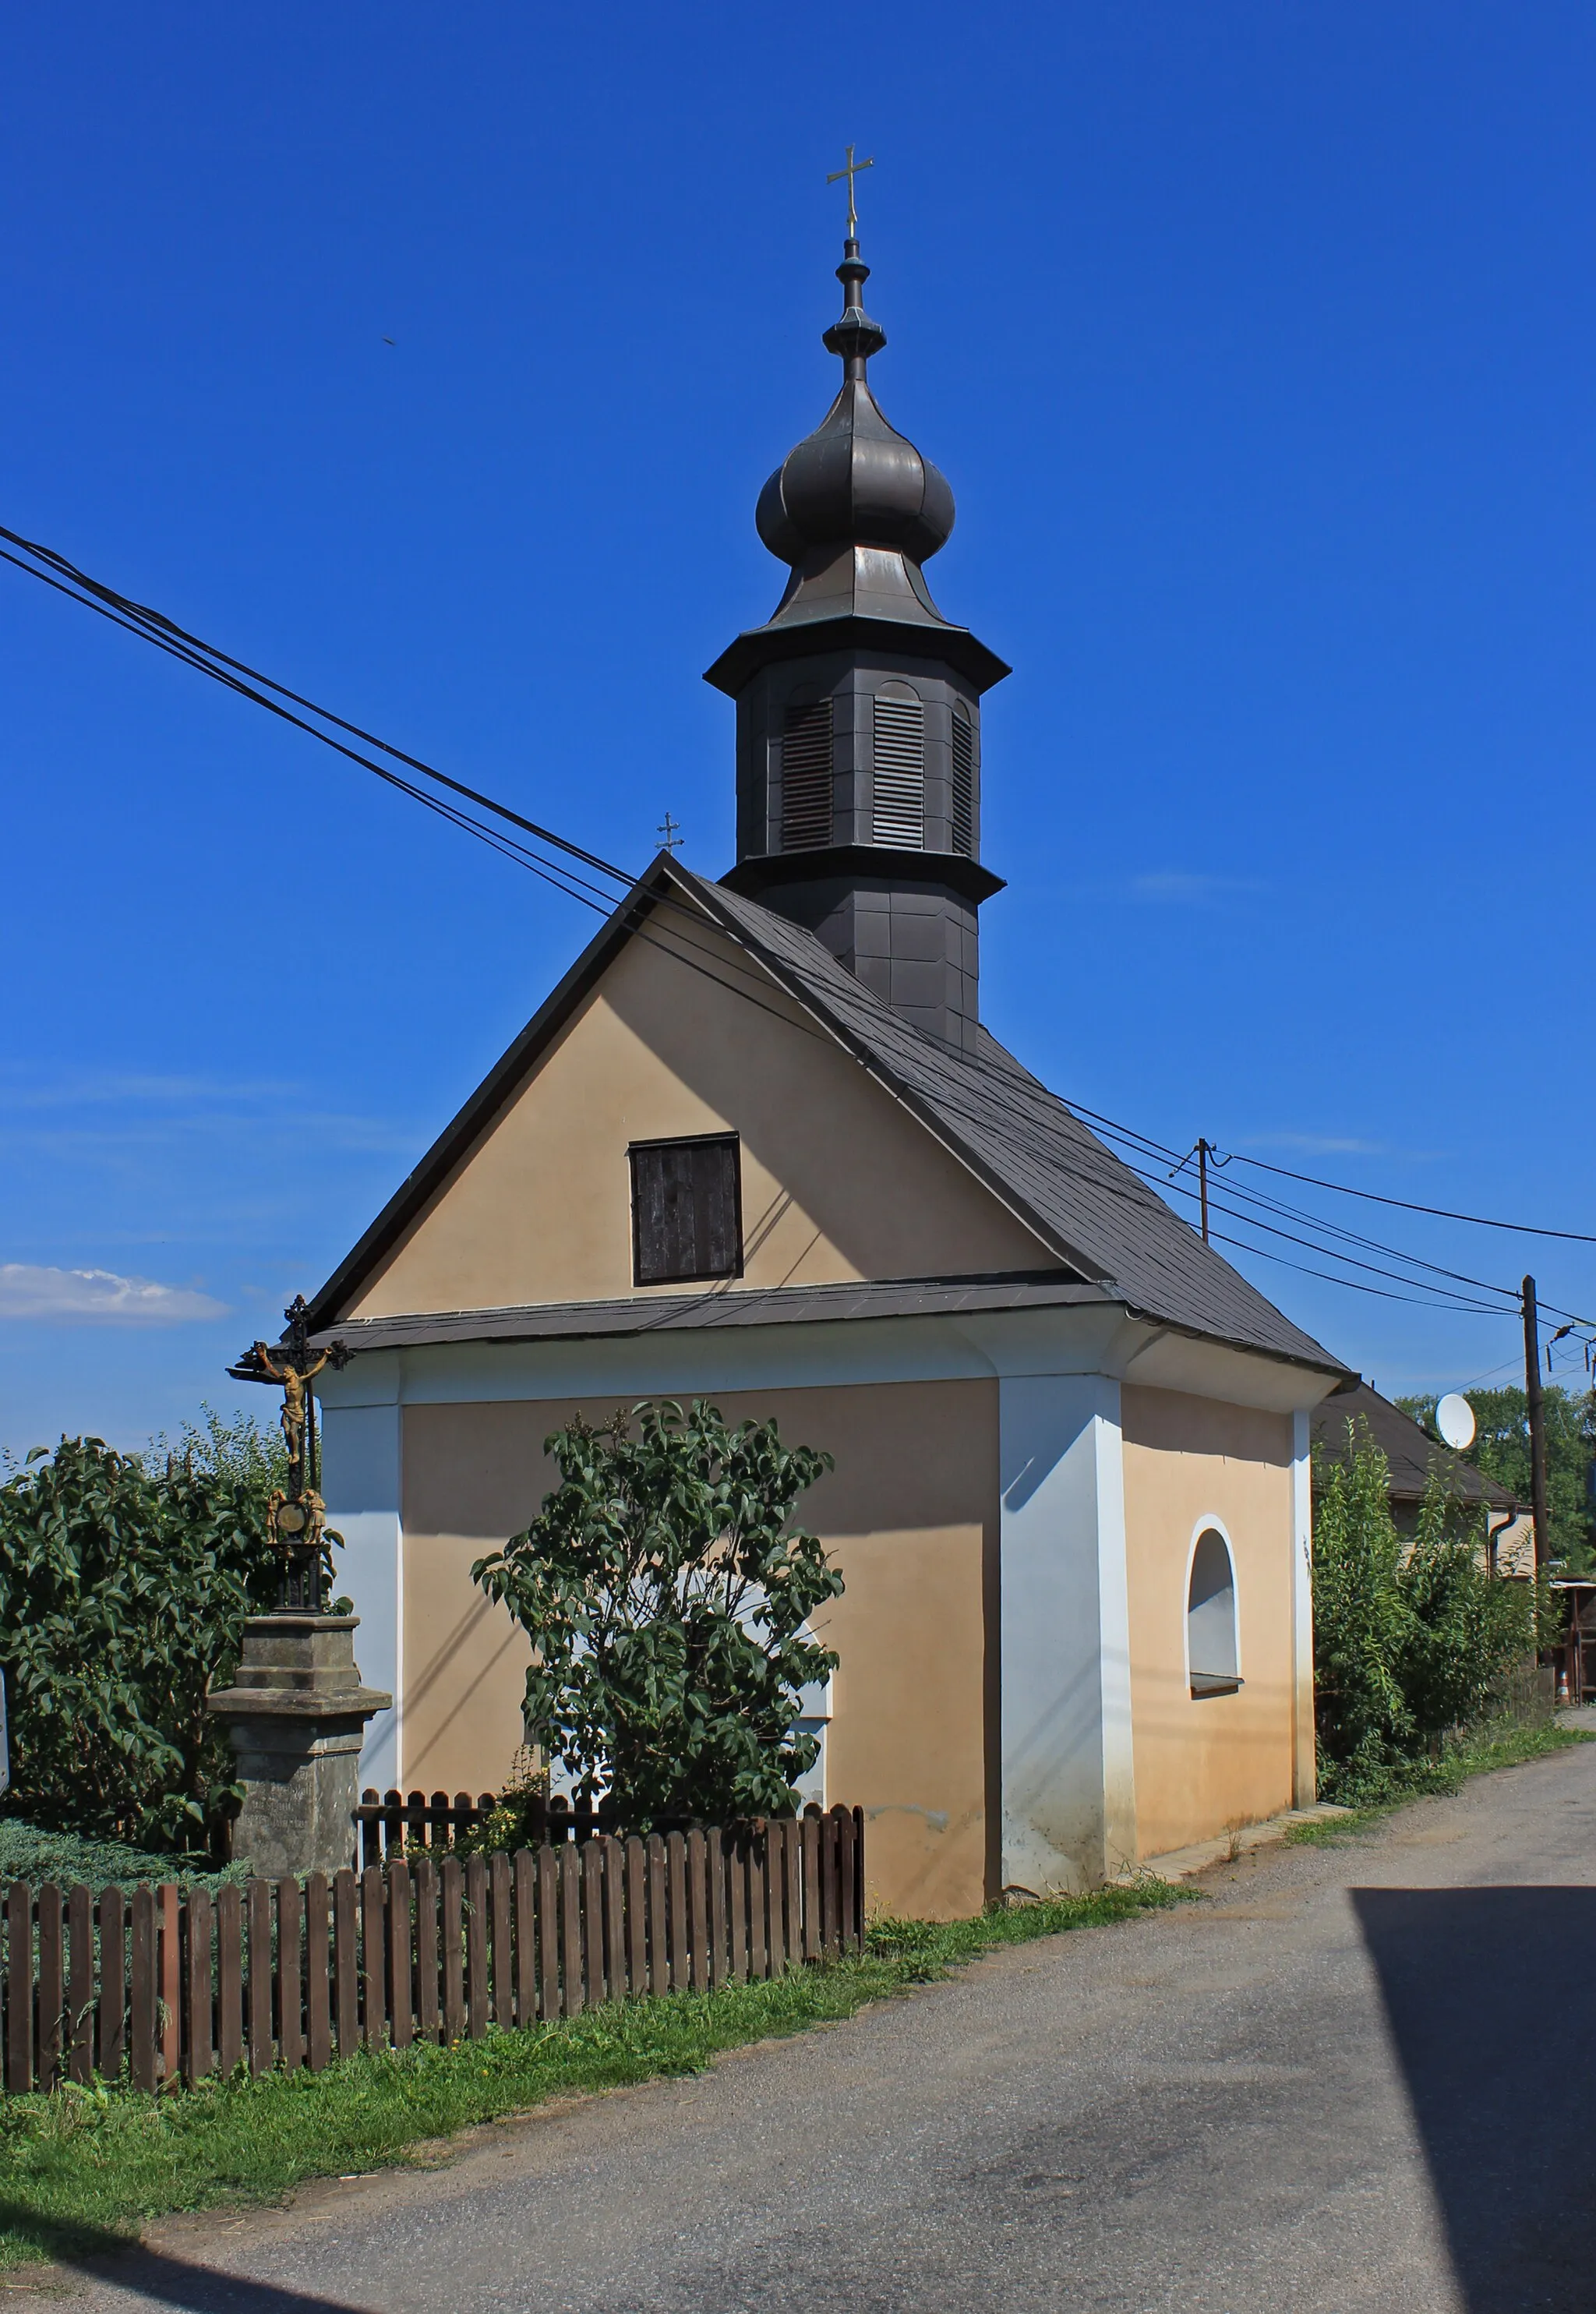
[851, 171]
[297, 1516]
[670, 833]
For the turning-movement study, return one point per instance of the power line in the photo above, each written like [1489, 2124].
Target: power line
[152, 626]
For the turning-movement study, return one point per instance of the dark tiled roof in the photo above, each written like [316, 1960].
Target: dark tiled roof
[1099, 1215]
[1411, 1452]
[676, 1313]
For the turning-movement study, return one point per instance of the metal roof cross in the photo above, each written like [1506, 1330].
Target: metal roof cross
[851, 171]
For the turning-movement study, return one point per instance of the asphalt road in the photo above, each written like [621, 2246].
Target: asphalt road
[1358, 2076]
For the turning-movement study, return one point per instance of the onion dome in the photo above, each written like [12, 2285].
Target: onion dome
[855, 480]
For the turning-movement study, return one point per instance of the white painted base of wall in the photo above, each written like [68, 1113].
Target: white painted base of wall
[360, 1478]
[1068, 1779]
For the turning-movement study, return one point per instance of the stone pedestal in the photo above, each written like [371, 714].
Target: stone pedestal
[296, 1716]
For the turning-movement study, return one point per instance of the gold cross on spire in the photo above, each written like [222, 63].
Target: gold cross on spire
[851, 171]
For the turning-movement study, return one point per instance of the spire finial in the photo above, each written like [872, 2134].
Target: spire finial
[851, 171]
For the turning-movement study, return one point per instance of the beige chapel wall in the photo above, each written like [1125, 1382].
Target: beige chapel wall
[838, 1181]
[910, 1513]
[1203, 1766]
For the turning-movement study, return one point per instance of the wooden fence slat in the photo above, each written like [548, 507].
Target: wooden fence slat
[659, 1963]
[775, 1898]
[427, 2005]
[734, 1880]
[499, 1915]
[451, 1935]
[809, 1872]
[571, 1929]
[831, 1938]
[318, 1972]
[698, 1912]
[170, 1975]
[526, 1942]
[229, 1977]
[374, 1975]
[675, 1882]
[52, 1988]
[718, 1958]
[346, 1961]
[476, 1945]
[548, 1934]
[402, 1991]
[142, 2008]
[846, 1869]
[614, 1916]
[759, 1948]
[198, 2054]
[593, 1918]
[257, 1900]
[637, 1915]
[80, 1984]
[859, 1879]
[290, 1976]
[19, 1988]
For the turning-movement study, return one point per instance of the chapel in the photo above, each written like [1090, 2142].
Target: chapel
[759, 1146]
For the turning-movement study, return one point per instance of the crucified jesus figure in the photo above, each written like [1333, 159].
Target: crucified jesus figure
[293, 1380]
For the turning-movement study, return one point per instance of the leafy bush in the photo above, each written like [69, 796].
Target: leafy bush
[124, 1587]
[1412, 1635]
[26, 1853]
[666, 1601]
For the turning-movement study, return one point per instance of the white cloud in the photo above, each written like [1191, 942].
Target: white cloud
[1315, 1145]
[29, 1290]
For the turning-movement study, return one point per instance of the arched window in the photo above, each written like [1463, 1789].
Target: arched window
[899, 767]
[1213, 1661]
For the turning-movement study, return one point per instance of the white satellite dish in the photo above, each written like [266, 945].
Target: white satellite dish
[1454, 1419]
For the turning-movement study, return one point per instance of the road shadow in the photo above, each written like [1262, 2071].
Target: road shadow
[1491, 1995]
[100, 2255]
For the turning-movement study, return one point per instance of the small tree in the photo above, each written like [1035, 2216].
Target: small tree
[1411, 1636]
[667, 1600]
[124, 1585]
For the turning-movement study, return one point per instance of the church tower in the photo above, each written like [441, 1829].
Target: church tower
[858, 710]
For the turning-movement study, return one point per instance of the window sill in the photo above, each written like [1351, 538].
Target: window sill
[1212, 1683]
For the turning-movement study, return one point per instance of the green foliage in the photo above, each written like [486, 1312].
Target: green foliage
[1501, 1449]
[1411, 1636]
[27, 1853]
[124, 1584]
[238, 1451]
[666, 1599]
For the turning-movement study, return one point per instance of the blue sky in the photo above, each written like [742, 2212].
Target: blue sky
[1257, 342]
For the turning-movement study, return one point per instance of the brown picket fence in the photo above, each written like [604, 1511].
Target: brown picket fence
[166, 1984]
[393, 1824]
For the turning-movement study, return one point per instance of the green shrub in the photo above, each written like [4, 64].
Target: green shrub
[1411, 1636]
[124, 1585]
[667, 1601]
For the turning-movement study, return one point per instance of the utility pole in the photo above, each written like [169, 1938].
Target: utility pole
[1537, 1425]
[1203, 1149]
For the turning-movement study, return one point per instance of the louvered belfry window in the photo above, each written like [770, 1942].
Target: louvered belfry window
[964, 782]
[686, 1210]
[900, 773]
[806, 777]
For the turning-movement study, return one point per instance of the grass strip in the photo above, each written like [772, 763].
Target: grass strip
[1475, 1754]
[81, 2170]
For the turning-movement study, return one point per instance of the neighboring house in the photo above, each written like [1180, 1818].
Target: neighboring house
[1412, 1454]
[757, 1146]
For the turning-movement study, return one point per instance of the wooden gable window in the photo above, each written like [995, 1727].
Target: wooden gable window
[686, 1210]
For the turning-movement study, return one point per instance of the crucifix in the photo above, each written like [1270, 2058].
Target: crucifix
[298, 1515]
[851, 171]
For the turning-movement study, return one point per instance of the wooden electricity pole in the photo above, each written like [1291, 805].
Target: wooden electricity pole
[1537, 1425]
[1203, 1149]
